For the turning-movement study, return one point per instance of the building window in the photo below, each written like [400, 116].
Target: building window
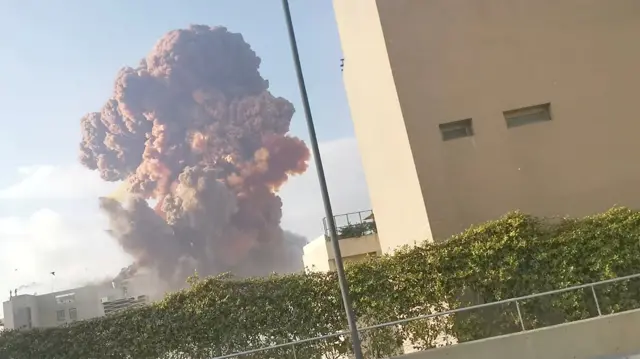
[528, 115]
[61, 315]
[456, 129]
[73, 314]
[67, 298]
[29, 319]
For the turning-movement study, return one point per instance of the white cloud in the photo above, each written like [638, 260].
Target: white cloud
[303, 206]
[57, 182]
[76, 249]
[72, 242]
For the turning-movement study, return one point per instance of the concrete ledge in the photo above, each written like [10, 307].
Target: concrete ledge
[611, 336]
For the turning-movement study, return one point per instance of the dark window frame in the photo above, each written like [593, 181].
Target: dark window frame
[528, 115]
[73, 314]
[61, 315]
[456, 129]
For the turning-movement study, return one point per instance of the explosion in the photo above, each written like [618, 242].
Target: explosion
[194, 129]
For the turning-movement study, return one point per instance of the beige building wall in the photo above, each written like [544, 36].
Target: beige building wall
[315, 256]
[608, 337]
[387, 157]
[412, 65]
[319, 255]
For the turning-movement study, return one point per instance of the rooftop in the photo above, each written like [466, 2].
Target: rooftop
[352, 225]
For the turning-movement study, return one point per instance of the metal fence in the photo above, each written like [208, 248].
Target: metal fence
[517, 301]
[361, 221]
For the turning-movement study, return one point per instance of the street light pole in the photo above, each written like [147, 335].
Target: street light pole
[331, 224]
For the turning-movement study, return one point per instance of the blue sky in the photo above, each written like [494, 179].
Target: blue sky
[59, 61]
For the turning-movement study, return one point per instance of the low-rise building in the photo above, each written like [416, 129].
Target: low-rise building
[358, 240]
[118, 305]
[27, 311]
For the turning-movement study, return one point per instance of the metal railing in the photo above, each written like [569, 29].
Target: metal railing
[516, 300]
[353, 224]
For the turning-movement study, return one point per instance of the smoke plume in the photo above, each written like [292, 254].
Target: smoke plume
[195, 130]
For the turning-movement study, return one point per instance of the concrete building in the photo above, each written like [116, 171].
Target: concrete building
[358, 240]
[26, 311]
[467, 109]
[118, 305]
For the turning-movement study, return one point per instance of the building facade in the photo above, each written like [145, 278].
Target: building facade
[467, 109]
[27, 311]
[358, 240]
[319, 256]
[118, 305]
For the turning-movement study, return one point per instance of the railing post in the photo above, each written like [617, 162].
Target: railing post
[324, 225]
[595, 297]
[293, 349]
[520, 316]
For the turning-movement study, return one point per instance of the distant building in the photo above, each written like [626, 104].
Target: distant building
[465, 110]
[25, 311]
[358, 240]
[117, 305]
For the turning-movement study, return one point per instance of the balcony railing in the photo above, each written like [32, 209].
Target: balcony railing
[292, 348]
[352, 225]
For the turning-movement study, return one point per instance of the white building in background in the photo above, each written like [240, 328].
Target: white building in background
[26, 311]
[358, 240]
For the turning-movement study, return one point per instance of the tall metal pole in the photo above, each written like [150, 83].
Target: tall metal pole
[331, 224]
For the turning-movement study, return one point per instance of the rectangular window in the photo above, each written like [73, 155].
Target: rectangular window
[29, 319]
[61, 315]
[73, 314]
[67, 298]
[456, 129]
[528, 115]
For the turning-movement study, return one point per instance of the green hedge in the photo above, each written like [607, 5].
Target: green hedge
[513, 256]
[357, 230]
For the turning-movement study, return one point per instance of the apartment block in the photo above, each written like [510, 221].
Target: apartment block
[467, 109]
[27, 311]
[118, 305]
